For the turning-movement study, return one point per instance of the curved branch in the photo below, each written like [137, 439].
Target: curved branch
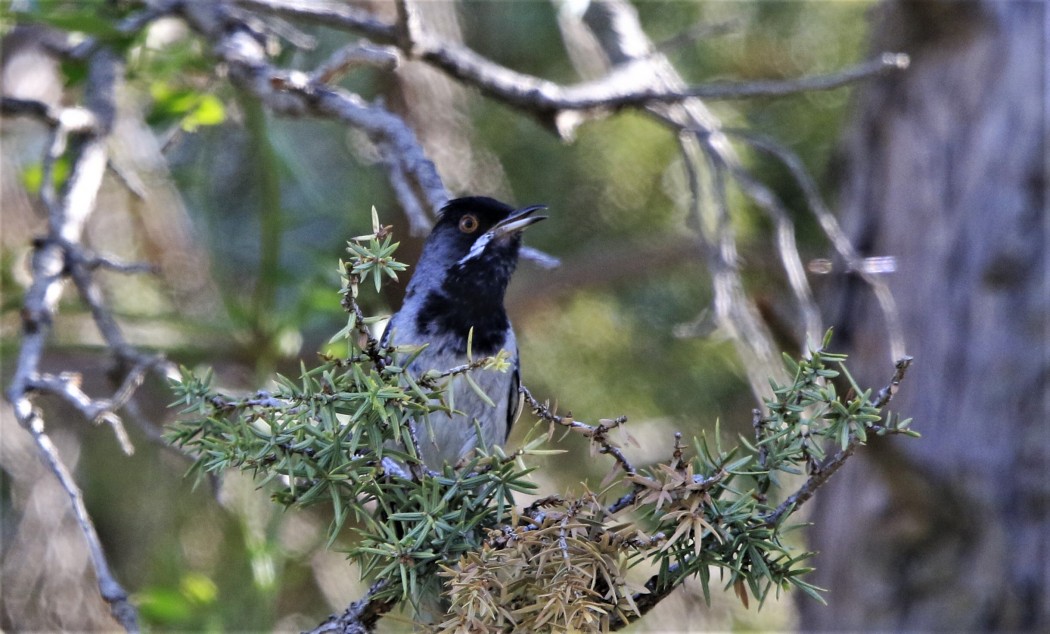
[327, 14]
[612, 92]
[830, 225]
[413, 176]
[67, 215]
[559, 106]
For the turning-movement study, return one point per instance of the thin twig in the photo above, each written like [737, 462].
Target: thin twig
[79, 267]
[101, 261]
[431, 380]
[67, 387]
[14, 107]
[828, 468]
[539, 258]
[417, 467]
[372, 346]
[112, 592]
[829, 224]
[328, 14]
[563, 543]
[787, 247]
[700, 31]
[885, 63]
[262, 399]
[886, 394]
[734, 311]
[130, 181]
[419, 222]
[597, 434]
[349, 57]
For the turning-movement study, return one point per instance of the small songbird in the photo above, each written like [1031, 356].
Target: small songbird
[459, 285]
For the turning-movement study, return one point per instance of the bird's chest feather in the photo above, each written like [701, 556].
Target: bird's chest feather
[453, 436]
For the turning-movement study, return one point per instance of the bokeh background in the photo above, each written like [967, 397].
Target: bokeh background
[246, 215]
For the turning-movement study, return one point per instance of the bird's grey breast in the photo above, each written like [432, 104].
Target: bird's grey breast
[451, 437]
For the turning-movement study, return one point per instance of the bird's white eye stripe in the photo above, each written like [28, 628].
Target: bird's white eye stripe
[477, 248]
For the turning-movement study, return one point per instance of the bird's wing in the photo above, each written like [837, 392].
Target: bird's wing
[514, 398]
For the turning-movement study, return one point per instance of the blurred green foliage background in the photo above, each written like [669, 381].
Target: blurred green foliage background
[264, 206]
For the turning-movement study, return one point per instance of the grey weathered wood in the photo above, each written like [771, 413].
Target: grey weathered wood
[947, 171]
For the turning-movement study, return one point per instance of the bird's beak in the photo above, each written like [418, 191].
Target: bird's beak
[518, 221]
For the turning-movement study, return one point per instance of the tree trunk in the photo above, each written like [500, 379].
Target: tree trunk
[946, 170]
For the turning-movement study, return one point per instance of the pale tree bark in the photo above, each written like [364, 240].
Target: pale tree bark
[946, 170]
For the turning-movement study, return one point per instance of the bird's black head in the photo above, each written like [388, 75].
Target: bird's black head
[482, 230]
[474, 247]
[467, 263]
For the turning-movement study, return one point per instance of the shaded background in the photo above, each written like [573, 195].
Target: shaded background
[247, 214]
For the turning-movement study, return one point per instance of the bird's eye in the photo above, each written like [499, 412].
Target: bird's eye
[468, 223]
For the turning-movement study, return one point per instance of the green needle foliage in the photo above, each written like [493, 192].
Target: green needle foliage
[344, 434]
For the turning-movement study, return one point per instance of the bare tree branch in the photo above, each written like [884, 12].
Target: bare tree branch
[67, 386]
[611, 92]
[551, 102]
[348, 57]
[839, 241]
[14, 107]
[413, 176]
[121, 607]
[329, 14]
[360, 617]
[787, 247]
[66, 218]
[734, 311]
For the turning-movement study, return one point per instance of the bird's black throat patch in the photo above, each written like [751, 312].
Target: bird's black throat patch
[443, 317]
[471, 296]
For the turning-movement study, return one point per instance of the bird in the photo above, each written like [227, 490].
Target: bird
[456, 294]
